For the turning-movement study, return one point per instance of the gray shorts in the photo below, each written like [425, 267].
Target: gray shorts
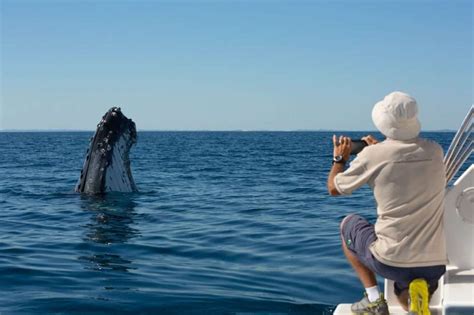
[358, 234]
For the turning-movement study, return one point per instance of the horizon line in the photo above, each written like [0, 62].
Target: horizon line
[215, 130]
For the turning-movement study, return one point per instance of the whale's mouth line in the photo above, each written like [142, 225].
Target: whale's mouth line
[107, 166]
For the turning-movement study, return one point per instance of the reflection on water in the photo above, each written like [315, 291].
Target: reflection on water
[112, 217]
[107, 262]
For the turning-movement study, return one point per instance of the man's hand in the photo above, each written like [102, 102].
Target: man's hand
[342, 147]
[370, 140]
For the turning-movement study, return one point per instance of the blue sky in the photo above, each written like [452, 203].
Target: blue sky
[226, 65]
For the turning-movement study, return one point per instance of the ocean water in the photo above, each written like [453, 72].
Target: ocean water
[224, 223]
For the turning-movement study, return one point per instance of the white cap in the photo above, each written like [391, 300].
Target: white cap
[396, 116]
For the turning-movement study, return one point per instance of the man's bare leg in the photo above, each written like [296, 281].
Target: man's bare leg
[403, 299]
[366, 276]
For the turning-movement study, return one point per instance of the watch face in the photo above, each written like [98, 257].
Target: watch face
[338, 158]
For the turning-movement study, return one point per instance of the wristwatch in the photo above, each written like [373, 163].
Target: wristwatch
[338, 159]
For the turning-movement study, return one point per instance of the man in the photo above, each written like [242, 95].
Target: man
[407, 176]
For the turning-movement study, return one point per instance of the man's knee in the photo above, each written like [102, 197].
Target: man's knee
[347, 217]
[341, 227]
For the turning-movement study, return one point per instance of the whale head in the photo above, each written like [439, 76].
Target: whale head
[107, 165]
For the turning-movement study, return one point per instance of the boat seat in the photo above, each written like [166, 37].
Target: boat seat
[459, 291]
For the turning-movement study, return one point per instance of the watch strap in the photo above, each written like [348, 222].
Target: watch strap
[339, 160]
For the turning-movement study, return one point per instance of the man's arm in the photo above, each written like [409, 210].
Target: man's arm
[341, 148]
[335, 169]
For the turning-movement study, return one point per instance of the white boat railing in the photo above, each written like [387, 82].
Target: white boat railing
[460, 148]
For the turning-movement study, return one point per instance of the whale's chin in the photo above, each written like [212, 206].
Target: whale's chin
[107, 164]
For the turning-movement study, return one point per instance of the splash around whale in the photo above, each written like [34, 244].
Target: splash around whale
[107, 165]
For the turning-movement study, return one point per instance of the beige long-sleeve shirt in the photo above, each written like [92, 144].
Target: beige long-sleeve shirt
[408, 181]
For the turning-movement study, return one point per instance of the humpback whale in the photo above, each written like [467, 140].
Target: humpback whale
[107, 165]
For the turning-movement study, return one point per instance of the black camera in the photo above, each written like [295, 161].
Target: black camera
[357, 146]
